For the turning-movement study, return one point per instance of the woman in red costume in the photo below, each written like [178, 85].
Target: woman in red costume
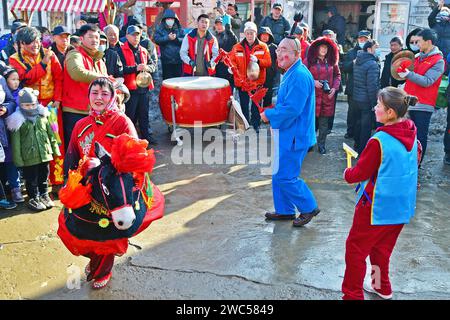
[108, 196]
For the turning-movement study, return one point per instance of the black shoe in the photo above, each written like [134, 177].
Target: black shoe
[447, 159]
[348, 136]
[322, 149]
[305, 218]
[151, 140]
[276, 216]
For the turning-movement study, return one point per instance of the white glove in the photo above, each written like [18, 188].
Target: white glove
[212, 64]
[230, 71]
[253, 58]
[404, 74]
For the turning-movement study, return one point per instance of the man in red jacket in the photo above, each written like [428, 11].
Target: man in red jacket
[199, 49]
[135, 59]
[424, 83]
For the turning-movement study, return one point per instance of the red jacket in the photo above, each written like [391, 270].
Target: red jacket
[326, 69]
[207, 49]
[48, 80]
[130, 79]
[240, 59]
[426, 95]
[75, 93]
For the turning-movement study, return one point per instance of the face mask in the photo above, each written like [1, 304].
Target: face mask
[170, 22]
[361, 44]
[414, 47]
[377, 53]
[102, 47]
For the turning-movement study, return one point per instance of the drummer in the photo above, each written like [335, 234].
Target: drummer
[199, 49]
[136, 59]
[245, 52]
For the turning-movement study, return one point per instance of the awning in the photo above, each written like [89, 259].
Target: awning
[60, 5]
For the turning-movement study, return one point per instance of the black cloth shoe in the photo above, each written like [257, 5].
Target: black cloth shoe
[322, 149]
[152, 141]
[305, 218]
[277, 216]
[348, 136]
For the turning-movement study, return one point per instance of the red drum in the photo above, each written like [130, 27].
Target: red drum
[198, 98]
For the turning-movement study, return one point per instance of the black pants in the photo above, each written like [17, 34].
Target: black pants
[422, 121]
[268, 97]
[447, 133]
[331, 119]
[255, 118]
[322, 123]
[171, 71]
[36, 179]
[137, 110]
[351, 117]
[363, 125]
[69, 120]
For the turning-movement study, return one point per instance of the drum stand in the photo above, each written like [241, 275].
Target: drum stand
[175, 136]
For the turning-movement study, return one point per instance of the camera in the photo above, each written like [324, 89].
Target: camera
[326, 86]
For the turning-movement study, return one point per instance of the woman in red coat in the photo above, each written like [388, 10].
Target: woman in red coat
[322, 62]
[78, 230]
[104, 122]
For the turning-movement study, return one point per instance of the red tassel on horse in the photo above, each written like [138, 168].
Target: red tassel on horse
[129, 154]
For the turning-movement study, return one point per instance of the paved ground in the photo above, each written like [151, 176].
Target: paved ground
[214, 243]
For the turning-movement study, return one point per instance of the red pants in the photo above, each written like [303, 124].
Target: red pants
[100, 265]
[364, 240]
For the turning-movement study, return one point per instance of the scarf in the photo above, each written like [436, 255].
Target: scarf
[30, 114]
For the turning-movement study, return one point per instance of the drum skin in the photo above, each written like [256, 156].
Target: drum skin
[199, 99]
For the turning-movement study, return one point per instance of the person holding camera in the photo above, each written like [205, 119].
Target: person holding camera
[366, 83]
[322, 61]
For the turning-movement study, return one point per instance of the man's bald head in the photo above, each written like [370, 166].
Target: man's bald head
[288, 52]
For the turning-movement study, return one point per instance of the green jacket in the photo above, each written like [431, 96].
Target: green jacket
[32, 143]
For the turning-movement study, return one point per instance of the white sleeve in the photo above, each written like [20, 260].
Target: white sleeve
[184, 50]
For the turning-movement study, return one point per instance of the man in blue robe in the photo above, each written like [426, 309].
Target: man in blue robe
[292, 121]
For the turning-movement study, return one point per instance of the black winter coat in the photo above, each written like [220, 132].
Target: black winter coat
[170, 49]
[366, 81]
[347, 67]
[113, 63]
[278, 27]
[337, 24]
[443, 31]
[386, 77]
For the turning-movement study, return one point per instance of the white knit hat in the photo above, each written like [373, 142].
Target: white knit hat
[250, 26]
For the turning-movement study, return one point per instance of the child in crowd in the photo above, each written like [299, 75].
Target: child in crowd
[13, 82]
[4, 203]
[387, 176]
[9, 173]
[33, 147]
